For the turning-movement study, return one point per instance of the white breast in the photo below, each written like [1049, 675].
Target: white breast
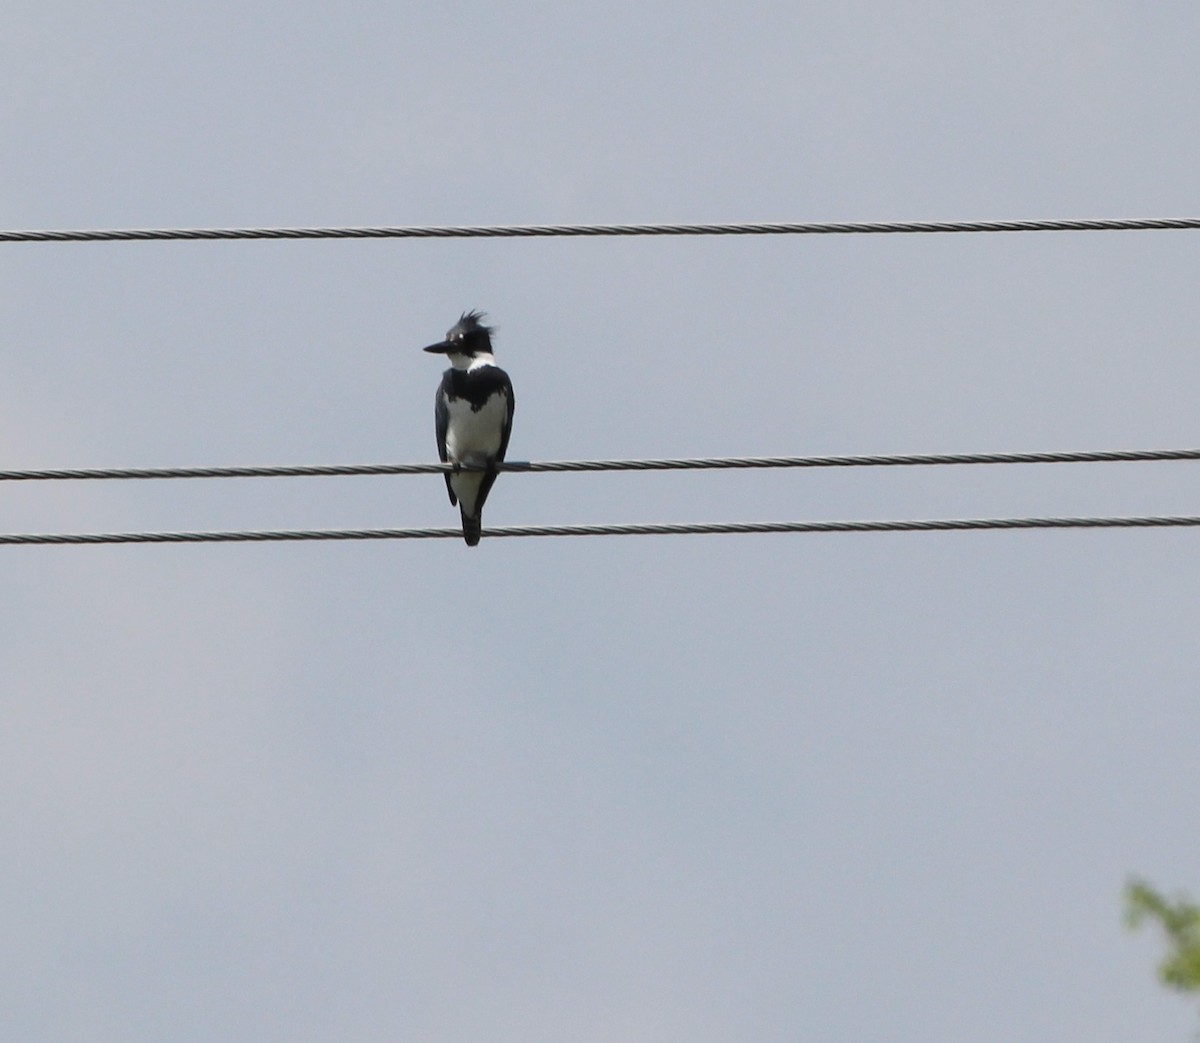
[473, 436]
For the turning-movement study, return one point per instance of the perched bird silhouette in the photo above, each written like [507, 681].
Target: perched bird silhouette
[473, 411]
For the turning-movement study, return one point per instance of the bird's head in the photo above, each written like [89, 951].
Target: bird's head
[468, 342]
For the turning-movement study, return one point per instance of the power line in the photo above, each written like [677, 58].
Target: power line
[149, 473]
[722, 463]
[702, 529]
[878, 460]
[548, 231]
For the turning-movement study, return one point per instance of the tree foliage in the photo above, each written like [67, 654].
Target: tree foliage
[1179, 918]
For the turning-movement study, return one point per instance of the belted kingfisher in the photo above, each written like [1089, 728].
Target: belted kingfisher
[474, 411]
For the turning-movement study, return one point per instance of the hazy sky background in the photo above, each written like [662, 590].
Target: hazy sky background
[772, 788]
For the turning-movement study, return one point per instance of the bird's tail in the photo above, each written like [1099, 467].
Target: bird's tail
[472, 528]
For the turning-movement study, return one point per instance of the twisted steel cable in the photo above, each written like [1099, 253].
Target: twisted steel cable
[701, 529]
[563, 466]
[577, 230]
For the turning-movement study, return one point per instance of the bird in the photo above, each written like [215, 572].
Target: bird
[473, 413]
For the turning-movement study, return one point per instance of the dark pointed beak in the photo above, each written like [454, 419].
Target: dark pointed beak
[441, 348]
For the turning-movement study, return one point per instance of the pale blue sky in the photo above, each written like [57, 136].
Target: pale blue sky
[769, 788]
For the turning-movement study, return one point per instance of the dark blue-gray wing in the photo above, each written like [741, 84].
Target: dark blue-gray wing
[441, 419]
[512, 402]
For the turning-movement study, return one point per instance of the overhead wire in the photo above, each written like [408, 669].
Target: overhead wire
[685, 529]
[712, 463]
[720, 463]
[598, 230]
[551, 466]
